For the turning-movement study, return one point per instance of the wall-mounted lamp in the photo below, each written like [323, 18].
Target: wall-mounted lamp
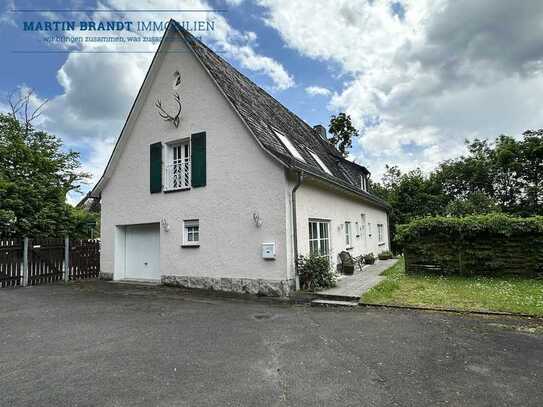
[257, 219]
[165, 225]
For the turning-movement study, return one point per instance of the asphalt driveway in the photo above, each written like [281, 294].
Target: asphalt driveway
[102, 344]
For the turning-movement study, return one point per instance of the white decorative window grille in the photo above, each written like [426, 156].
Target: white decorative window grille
[177, 171]
[191, 233]
[319, 237]
[380, 234]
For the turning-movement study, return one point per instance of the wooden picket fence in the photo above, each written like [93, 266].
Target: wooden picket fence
[41, 261]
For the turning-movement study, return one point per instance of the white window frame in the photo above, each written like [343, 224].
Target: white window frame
[363, 182]
[320, 162]
[177, 171]
[289, 146]
[348, 235]
[380, 233]
[322, 242]
[191, 228]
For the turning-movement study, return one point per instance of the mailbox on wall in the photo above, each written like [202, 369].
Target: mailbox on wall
[268, 250]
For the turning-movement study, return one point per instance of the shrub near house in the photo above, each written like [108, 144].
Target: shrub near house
[473, 245]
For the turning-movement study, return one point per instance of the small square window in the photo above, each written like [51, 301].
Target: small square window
[191, 232]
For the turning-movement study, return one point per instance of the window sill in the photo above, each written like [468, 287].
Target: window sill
[167, 191]
[349, 248]
[190, 245]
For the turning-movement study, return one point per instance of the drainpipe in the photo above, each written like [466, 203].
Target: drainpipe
[295, 228]
[388, 232]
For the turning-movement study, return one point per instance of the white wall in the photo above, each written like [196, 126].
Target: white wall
[319, 201]
[241, 179]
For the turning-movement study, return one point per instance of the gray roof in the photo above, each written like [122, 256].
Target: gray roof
[263, 114]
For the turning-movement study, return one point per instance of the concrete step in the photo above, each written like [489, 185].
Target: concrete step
[333, 303]
[338, 297]
[137, 282]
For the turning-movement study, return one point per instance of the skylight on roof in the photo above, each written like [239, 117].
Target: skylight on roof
[321, 164]
[290, 147]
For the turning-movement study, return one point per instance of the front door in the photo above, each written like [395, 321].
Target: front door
[142, 252]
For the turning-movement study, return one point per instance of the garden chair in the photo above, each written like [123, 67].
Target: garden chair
[347, 263]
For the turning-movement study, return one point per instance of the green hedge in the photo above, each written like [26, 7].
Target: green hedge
[473, 245]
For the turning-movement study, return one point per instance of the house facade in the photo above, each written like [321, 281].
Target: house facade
[226, 197]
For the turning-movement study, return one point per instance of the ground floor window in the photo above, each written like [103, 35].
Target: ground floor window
[191, 232]
[348, 234]
[319, 237]
[380, 235]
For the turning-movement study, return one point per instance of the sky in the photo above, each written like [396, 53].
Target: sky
[418, 77]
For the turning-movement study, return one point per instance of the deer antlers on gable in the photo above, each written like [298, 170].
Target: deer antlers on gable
[165, 115]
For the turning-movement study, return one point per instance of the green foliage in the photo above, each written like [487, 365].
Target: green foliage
[35, 176]
[369, 258]
[503, 176]
[385, 255]
[342, 131]
[315, 272]
[473, 245]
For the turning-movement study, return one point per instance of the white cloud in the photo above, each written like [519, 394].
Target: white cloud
[419, 84]
[318, 91]
[98, 89]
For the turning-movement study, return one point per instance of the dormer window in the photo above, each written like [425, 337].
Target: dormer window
[363, 182]
[320, 162]
[289, 146]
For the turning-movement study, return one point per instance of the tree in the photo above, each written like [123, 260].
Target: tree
[342, 131]
[531, 171]
[412, 195]
[35, 176]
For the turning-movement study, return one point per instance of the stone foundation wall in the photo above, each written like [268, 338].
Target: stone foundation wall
[105, 276]
[268, 288]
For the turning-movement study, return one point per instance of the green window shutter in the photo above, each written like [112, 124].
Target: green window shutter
[155, 167]
[198, 162]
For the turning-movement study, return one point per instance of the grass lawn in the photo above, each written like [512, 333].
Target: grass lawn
[506, 294]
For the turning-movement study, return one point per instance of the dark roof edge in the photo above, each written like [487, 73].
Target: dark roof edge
[180, 30]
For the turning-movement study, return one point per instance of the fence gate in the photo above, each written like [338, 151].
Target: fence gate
[11, 255]
[45, 261]
[84, 259]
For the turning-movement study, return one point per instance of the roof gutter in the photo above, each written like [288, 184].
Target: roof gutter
[295, 228]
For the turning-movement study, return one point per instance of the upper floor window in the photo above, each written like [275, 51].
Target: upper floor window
[177, 168]
[363, 182]
[289, 146]
[319, 237]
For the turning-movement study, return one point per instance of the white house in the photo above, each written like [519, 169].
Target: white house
[230, 196]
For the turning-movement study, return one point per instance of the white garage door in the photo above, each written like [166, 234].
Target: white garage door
[142, 252]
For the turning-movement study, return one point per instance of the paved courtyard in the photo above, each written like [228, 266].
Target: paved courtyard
[101, 344]
[359, 282]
